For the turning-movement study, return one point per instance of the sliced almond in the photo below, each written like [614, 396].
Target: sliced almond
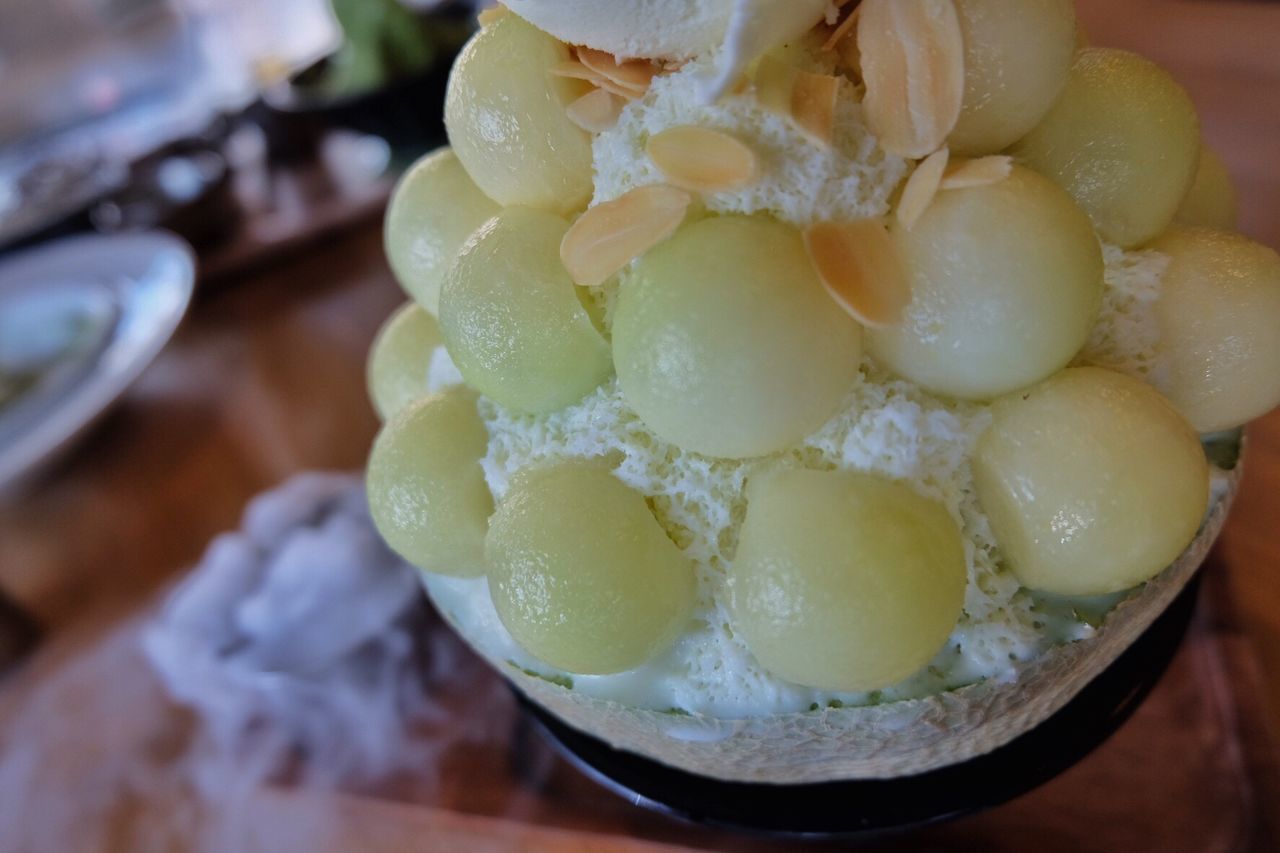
[697, 158]
[775, 81]
[809, 99]
[860, 267]
[493, 13]
[634, 75]
[921, 187]
[596, 111]
[575, 70]
[610, 235]
[621, 91]
[913, 68]
[849, 58]
[977, 173]
[813, 105]
[841, 32]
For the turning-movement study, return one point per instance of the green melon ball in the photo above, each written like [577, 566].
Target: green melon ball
[427, 493]
[399, 359]
[434, 209]
[1123, 139]
[1219, 314]
[1006, 284]
[1211, 201]
[1092, 481]
[845, 581]
[581, 573]
[505, 114]
[726, 342]
[1017, 57]
[512, 319]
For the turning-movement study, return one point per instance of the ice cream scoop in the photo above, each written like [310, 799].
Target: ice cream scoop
[676, 29]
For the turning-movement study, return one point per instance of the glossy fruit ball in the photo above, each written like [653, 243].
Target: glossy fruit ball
[1212, 200]
[1092, 481]
[427, 493]
[399, 359]
[505, 113]
[582, 574]
[726, 342]
[1006, 284]
[1123, 139]
[1219, 317]
[434, 209]
[845, 581]
[1017, 59]
[512, 319]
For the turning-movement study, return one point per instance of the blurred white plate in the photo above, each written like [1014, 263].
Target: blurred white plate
[80, 319]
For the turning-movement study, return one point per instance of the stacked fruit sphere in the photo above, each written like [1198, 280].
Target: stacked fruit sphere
[735, 249]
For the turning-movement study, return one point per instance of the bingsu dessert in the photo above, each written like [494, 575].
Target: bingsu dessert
[806, 390]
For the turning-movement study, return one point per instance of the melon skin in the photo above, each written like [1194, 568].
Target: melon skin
[888, 740]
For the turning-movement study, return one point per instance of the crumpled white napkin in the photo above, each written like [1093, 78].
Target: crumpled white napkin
[307, 657]
[295, 635]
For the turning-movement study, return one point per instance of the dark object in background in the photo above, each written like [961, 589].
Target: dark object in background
[350, 89]
[184, 187]
[391, 89]
[18, 634]
[52, 198]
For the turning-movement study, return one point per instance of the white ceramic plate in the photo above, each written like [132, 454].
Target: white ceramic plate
[81, 318]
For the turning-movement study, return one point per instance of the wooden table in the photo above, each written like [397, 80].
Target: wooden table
[267, 378]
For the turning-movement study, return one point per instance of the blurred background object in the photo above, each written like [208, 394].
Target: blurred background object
[80, 319]
[248, 129]
[117, 114]
[389, 66]
[18, 633]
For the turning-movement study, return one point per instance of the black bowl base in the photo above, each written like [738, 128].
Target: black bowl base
[870, 808]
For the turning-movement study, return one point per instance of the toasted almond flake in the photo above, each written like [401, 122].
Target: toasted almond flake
[635, 74]
[775, 82]
[831, 16]
[596, 111]
[697, 158]
[813, 105]
[610, 235]
[493, 13]
[921, 187]
[621, 91]
[977, 173]
[913, 68]
[808, 99]
[575, 70]
[846, 26]
[849, 59]
[860, 267]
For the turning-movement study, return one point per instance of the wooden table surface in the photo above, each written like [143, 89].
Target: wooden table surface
[266, 377]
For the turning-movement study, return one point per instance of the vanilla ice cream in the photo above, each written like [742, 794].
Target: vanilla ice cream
[677, 29]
